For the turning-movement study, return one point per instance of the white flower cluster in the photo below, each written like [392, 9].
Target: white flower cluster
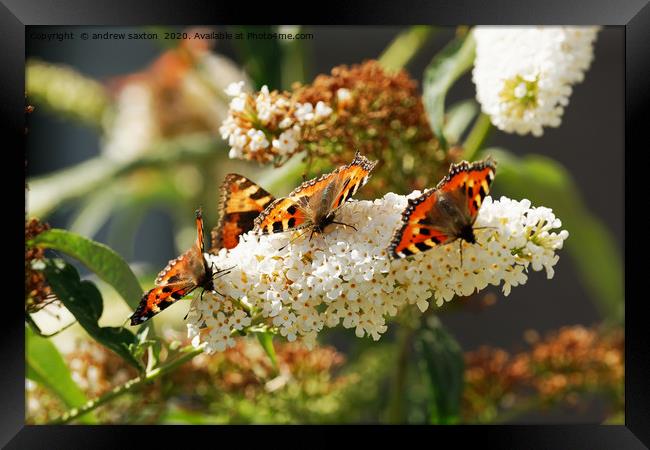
[266, 121]
[523, 75]
[346, 276]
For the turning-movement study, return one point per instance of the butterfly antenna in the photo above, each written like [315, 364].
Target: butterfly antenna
[346, 224]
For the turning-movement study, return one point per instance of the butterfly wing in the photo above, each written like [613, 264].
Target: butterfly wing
[345, 182]
[159, 298]
[241, 202]
[439, 215]
[416, 234]
[315, 198]
[471, 181]
[284, 214]
[180, 277]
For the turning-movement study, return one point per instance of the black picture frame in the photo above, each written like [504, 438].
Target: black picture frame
[633, 15]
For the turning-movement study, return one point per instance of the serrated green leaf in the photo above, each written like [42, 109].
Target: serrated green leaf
[445, 68]
[443, 361]
[108, 265]
[46, 366]
[266, 341]
[84, 301]
[545, 182]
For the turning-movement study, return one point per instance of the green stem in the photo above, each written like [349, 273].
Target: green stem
[189, 352]
[293, 68]
[398, 388]
[404, 47]
[477, 136]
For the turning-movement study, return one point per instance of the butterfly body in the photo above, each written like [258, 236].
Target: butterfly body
[446, 213]
[317, 209]
[313, 204]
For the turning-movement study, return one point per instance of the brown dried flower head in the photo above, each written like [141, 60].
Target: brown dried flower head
[244, 370]
[565, 363]
[37, 291]
[359, 108]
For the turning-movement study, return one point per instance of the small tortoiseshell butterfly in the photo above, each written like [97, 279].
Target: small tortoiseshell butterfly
[241, 202]
[313, 204]
[446, 213]
[181, 276]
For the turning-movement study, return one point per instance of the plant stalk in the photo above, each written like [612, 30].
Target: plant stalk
[404, 47]
[477, 136]
[398, 387]
[189, 352]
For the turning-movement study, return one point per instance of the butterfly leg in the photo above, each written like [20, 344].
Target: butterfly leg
[485, 228]
[346, 224]
[294, 240]
[217, 292]
[222, 272]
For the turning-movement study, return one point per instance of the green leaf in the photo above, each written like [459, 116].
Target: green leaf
[261, 57]
[445, 68]
[266, 341]
[442, 359]
[99, 258]
[545, 182]
[458, 119]
[46, 366]
[83, 300]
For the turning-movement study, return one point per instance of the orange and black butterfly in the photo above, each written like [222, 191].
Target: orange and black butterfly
[241, 201]
[181, 276]
[446, 213]
[313, 204]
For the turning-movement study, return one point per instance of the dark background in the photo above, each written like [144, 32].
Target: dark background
[589, 143]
